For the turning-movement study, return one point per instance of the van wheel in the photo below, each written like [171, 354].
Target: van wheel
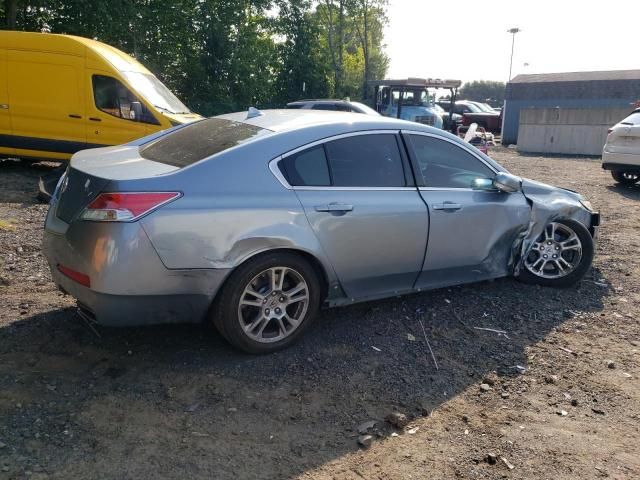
[625, 178]
[267, 302]
[560, 256]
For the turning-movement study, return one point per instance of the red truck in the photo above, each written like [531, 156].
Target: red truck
[480, 113]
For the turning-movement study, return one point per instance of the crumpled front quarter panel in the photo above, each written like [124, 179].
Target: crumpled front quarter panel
[547, 204]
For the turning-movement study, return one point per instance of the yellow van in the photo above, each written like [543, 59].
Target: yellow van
[60, 94]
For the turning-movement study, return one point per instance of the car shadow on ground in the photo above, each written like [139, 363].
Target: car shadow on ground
[628, 191]
[169, 401]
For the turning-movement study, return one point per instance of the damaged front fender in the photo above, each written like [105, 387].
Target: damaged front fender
[549, 204]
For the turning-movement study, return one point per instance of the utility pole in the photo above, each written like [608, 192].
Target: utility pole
[513, 32]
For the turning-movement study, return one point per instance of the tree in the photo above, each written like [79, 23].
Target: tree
[226, 55]
[486, 91]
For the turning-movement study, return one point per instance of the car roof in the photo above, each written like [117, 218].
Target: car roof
[286, 119]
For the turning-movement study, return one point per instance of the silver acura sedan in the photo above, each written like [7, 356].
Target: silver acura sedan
[254, 220]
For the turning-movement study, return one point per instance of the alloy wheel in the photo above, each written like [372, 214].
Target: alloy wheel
[273, 304]
[556, 252]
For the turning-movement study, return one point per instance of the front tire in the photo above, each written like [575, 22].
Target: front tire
[267, 302]
[560, 256]
[625, 178]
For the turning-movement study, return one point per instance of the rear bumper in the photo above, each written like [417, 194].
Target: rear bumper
[620, 162]
[129, 284]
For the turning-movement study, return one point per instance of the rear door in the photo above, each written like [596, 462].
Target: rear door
[5, 114]
[46, 102]
[110, 114]
[358, 196]
[471, 232]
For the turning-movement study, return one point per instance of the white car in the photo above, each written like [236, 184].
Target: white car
[621, 153]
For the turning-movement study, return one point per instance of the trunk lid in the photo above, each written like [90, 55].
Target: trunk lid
[91, 171]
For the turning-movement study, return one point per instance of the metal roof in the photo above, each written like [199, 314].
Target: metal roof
[417, 82]
[578, 76]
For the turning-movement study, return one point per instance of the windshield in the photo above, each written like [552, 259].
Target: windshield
[416, 98]
[473, 107]
[484, 107]
[155, 92]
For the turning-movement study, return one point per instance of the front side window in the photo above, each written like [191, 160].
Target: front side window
[443, 164]
[357, 161]
[112, 97]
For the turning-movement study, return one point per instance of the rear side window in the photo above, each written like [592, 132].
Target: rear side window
[199, 140]
[359, 161]
[366, 161]
[307, 168]
[633, 119]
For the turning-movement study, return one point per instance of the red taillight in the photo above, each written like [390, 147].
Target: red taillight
[122, 207]
[81, 278]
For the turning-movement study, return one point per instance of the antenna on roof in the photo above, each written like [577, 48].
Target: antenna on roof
[253, 113]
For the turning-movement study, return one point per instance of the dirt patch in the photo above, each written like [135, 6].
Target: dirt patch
[556, 397]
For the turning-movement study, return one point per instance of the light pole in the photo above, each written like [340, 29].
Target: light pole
[513, 32]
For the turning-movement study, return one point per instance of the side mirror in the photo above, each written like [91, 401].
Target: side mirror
[135, 113]
[505, 182]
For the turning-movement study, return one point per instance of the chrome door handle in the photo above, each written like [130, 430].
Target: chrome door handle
[334, 207]
[447, 206]
[4, 106]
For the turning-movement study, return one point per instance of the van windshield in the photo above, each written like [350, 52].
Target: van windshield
[155, 92]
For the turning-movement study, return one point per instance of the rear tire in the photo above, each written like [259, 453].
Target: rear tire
[625, 178]
[267, 302]
[573, 247]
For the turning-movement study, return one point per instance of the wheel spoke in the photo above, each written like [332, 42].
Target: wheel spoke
[571, 243]
[262, 327]
[563, 261]
[252, 326]
[538, 261]
[292, 321]
[249, 290]
[251, 303]
[281, 328]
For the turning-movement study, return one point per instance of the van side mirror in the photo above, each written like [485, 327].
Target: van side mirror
[505, 182]
[135, 112]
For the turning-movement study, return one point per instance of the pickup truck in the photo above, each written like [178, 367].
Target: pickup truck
[475, 112]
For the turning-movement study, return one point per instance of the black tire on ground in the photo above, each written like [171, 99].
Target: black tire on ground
[224, 313]
[576, 275]
[625, 178]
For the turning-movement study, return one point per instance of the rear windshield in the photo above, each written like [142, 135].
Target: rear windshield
[199, 140]
[633, 119]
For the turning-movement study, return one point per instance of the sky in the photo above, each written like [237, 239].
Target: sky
[469, 41]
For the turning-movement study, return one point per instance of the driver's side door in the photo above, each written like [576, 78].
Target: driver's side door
[471, 232]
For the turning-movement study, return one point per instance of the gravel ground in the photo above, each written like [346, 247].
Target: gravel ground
[556, 397]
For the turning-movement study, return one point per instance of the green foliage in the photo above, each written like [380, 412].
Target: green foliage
[485, 91]
[226, 55]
